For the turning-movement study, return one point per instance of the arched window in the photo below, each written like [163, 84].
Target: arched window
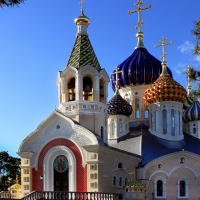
[159, 188]
[156, 120]
[164, 115]
[125, 181]
[114, 180]
[120, 127]
[87, 89]
[113, 128]
[146, 113]
[101, 92]
[102, 132]
[120, 165]
[179, 122]
[137, 108]
[71, 89]
[120, 181]
[182, 188]
[172, 122]
[151, 121]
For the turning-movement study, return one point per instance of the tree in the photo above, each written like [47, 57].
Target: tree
[196, 33]
[9, 169]
[10, 3]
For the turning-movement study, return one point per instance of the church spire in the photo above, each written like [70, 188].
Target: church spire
[139, 9]
[82, 22]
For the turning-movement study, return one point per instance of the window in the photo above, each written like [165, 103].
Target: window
[126, 126]
[125, 181]
[146, 114]
[114, 180]
[164, 115]
[26, 179]
[25, 161]
[172, 123]
[137, 108]
[113, 128]
[93, 107]
[120, 127]
[26, 187]
[120, 181]
[120, 165]
[179, 122]
[102, 132]
[156, 120]
[151, 122]
[182, 188]
[194, 130]
[160, 188]
[26, 171]
[84, 106]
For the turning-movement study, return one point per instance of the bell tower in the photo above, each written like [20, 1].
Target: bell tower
[83, 84]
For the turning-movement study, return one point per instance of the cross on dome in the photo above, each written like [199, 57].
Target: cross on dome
[82, 2]
[117, 78]
[139, 10]
[163, 44]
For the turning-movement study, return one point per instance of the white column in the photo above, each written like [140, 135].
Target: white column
[78, 86]
[63, 89]
[96, 88]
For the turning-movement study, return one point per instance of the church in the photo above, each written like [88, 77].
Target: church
[147, 135]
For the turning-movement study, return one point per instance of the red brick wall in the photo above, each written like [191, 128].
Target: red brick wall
[81, 172]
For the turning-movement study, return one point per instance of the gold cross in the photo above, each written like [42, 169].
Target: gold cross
[82, 4]
[163, 44]
[117, 79]
[139, 10]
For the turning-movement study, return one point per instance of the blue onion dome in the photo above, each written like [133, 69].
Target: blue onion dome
[192, 113]
[188, 103]
[138, 69]
[118, 106]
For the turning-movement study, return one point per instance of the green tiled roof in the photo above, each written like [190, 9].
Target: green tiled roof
[83, 54]
[135, 183]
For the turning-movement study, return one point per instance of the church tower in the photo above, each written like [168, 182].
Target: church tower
[82, 85]
[165, 98]
[139, 71]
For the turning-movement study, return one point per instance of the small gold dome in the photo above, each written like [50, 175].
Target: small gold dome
[82, 19]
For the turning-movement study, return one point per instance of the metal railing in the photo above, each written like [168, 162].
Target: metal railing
[62, 195]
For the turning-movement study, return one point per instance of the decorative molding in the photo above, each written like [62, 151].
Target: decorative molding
[48, 167]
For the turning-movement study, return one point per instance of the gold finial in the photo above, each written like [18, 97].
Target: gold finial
[164, 54]
[117, 79]
[82, 5]
[139, 10]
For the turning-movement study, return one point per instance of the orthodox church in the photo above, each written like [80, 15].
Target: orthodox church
[147, 135]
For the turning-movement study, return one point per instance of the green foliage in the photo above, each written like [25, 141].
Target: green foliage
[10, 3]
[196, 33]
[9, 169]
[192, 74]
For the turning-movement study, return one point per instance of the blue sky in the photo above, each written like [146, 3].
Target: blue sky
[37, 37]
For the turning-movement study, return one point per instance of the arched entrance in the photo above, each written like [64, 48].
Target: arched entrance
[61, 173]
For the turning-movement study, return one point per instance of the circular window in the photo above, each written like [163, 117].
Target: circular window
[61, 164]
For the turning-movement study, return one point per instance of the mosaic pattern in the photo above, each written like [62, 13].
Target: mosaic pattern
[83, 54]
[165, 89]
[138, 69]
[118, 106]
[192, 113]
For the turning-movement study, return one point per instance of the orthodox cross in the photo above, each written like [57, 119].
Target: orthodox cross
[139, 10]
[163, 44]
[82, 4]
[116, 73]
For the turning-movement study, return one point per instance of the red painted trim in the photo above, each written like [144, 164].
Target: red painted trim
[81, 172]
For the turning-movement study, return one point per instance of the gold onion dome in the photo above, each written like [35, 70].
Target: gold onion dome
[82, 19]
[165, 88]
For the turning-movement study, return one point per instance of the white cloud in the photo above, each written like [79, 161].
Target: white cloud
[197, 58]
[187, 47]
[181, 67]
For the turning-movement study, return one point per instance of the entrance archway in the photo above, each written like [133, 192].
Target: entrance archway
[61, 173]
